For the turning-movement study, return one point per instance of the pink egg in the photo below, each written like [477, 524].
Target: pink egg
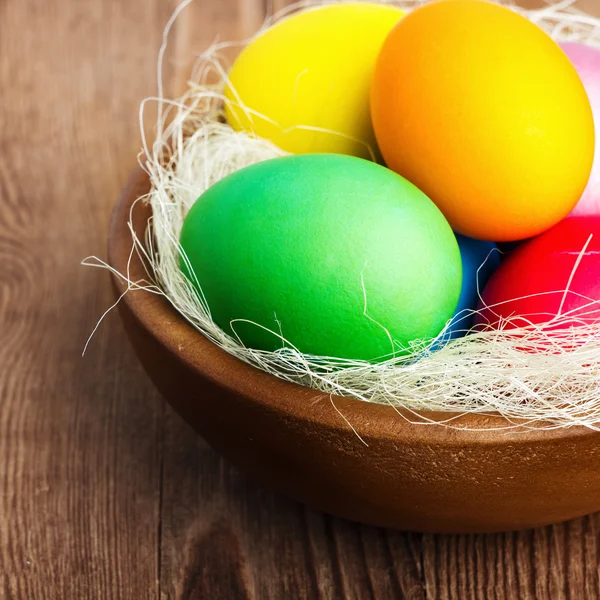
[587, 63]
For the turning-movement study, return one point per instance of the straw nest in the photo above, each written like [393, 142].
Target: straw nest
[532, 376]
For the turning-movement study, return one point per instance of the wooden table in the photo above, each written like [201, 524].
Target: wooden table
[104, 491]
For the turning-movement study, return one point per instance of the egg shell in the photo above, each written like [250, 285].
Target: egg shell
[337, 254]
[586, 61]
[529, 287]
[307, 79]
[483, 111]
[479, 261]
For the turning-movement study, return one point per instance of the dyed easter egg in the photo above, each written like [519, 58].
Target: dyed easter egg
[479, 261]
[543, 279]
[305, 82]
[586, 61]
[336, 254]
[483, 111]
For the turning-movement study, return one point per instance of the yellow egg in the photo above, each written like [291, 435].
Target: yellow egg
[305, 82]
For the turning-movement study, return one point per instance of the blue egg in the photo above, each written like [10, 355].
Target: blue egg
[479, 261]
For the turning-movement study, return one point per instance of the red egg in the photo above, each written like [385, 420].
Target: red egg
[557, 273]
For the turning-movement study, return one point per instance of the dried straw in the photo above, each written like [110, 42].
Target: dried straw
[532, 376]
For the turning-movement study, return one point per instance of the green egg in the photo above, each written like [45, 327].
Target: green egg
[339, 256]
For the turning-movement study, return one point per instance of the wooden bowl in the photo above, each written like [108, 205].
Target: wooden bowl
[408, 476]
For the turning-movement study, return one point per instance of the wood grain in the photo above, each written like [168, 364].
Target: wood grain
[79, 478]
[104, 492]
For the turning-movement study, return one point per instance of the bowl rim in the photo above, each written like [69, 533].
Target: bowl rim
[375, 422]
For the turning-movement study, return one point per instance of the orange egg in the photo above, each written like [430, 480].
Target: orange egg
[482, 110]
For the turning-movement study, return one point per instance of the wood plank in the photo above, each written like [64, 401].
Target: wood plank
[203, 23]
[224, 537]
[553, 563]
[560, 562]
[79, 438]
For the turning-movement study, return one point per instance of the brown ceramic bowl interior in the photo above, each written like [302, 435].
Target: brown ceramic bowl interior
[408, 476]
